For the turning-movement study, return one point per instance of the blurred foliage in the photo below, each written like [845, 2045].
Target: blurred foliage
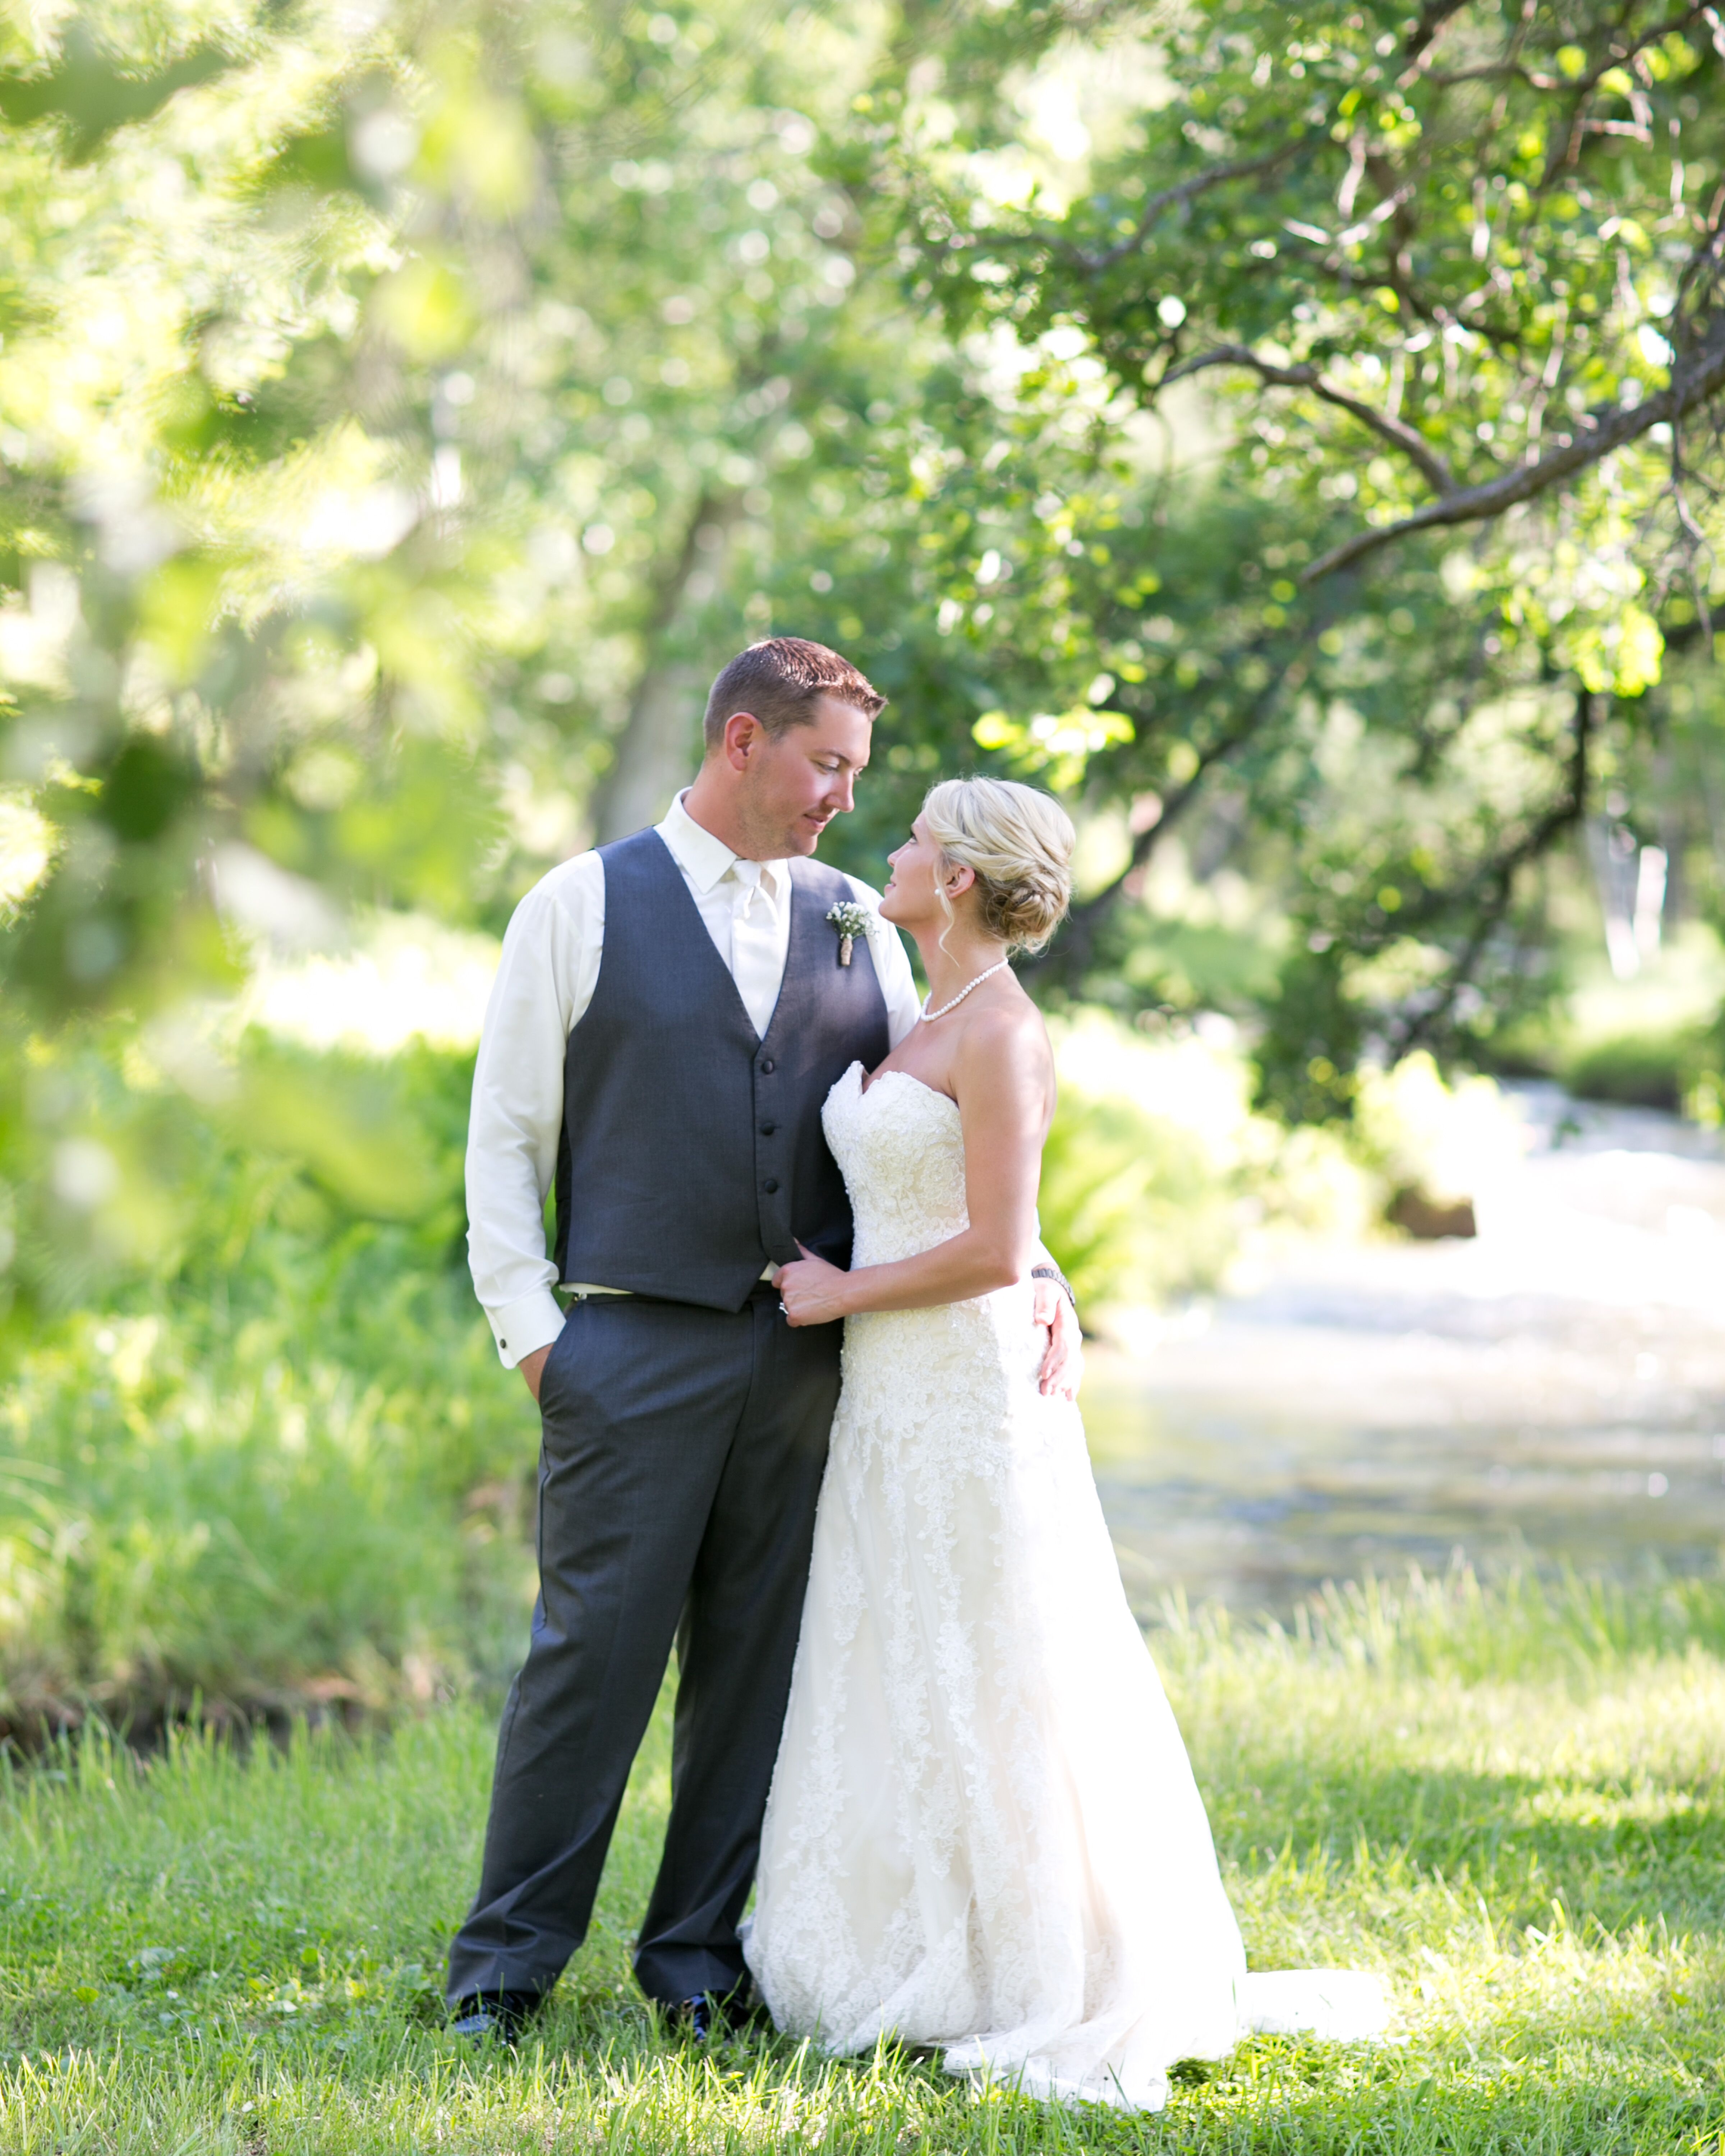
[273, 1462]
[1455, 272]
[1641, 1070]
[1421, 1137]
[405, 410]
[1157, 1176]
[1131, 1205]
[281, 1464]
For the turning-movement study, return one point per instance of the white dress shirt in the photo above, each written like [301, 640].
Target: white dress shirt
[545, 982]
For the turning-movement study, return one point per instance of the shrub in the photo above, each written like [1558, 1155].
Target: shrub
[1640, 1070]
[277, 1462]
[1157, 1176]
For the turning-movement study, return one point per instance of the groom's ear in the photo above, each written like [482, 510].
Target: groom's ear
[742, 738]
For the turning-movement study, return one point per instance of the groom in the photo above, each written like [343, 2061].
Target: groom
[669, 1015]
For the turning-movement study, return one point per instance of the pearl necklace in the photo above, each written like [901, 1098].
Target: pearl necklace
[963, 992]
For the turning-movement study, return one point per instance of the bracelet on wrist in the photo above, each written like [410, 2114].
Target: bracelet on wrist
[1054, 1274]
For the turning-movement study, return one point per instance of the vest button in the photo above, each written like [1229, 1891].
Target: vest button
[767, 1063]
[768, 1129]
[770, 1185]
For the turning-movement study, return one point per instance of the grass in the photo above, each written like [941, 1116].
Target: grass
[279, 1467]
[1508, 1802]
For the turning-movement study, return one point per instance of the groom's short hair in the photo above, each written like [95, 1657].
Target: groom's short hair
[779, 680]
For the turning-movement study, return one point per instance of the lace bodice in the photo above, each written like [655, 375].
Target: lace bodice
[900, 1148]
[937, 1389]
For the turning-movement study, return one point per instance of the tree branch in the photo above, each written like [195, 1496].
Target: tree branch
[1084, 921]
[1213, 176]
[1408, 440]
[1617, 54]
[1496, 883]
[1424, 34]
[1498, 71]
[1599, 433]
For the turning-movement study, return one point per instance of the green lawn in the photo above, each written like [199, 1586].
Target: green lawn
[1508, 1805]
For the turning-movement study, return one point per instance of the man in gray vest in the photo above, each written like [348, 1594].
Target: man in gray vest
[669, 1015]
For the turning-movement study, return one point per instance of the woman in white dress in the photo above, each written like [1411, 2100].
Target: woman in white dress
[983, 1832]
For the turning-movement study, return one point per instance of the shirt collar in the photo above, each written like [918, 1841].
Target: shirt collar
[704, 860]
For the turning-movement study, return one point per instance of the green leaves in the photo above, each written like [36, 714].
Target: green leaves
[1623, 655]
[400, 428]
[426, 308]
[144, 789]
[93, 92]
[1361, 278]
[1054, 747]
[1464, 236]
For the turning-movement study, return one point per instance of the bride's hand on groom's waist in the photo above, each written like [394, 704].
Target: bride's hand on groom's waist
[810, 1292]
[1063, 1359]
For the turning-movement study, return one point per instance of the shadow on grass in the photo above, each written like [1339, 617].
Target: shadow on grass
[222, 1949]
[1617, 1857]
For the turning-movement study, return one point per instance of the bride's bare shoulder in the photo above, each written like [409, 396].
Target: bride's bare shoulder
[1007, 1037]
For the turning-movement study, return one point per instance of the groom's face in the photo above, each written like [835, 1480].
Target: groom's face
[793, 786]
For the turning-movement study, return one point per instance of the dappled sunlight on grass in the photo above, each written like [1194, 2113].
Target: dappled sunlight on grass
[1505, 1803]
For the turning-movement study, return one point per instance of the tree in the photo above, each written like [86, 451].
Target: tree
[1452, 272]
[396, 427]
[400, 425]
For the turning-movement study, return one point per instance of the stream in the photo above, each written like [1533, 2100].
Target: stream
[1550, 1390]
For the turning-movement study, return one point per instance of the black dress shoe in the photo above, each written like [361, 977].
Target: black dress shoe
[706, 2017]
[695, 2020]
[500, 2015]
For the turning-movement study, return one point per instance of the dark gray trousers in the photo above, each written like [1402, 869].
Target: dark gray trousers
[681, 1462]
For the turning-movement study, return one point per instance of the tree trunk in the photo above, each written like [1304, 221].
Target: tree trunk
[656, 752]
[659, 746]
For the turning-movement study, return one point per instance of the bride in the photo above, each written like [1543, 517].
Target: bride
[983, 1832]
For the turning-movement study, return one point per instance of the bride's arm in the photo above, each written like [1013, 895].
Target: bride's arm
[1003, 1079]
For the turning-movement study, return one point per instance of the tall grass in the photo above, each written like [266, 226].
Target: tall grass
[274, 1462]
[1505, 1802]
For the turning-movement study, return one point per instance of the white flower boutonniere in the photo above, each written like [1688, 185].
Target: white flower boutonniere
[851, 920]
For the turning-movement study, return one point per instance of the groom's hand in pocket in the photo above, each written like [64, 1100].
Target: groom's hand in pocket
[532, 1366]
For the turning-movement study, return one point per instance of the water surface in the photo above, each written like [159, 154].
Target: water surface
[1552, 1390]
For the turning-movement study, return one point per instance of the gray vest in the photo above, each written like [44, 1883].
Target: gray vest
[691, 1149]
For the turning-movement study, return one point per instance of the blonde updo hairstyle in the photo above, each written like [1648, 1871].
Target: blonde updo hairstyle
[1019, 845]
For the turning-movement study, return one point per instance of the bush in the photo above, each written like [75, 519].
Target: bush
[1639, 1070]
[1431, 1146]
[1131, 1207]
[1157, 1175]
[278, 1463]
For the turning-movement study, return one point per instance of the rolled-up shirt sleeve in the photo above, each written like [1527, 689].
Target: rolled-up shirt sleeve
[544, 985]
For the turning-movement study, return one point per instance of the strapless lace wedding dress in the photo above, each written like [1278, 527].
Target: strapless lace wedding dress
[983, 1832]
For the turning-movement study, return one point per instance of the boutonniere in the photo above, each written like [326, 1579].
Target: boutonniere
[851, 920]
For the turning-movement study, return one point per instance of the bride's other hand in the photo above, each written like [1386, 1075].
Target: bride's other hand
[1063, 1360]
[810, 1291]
